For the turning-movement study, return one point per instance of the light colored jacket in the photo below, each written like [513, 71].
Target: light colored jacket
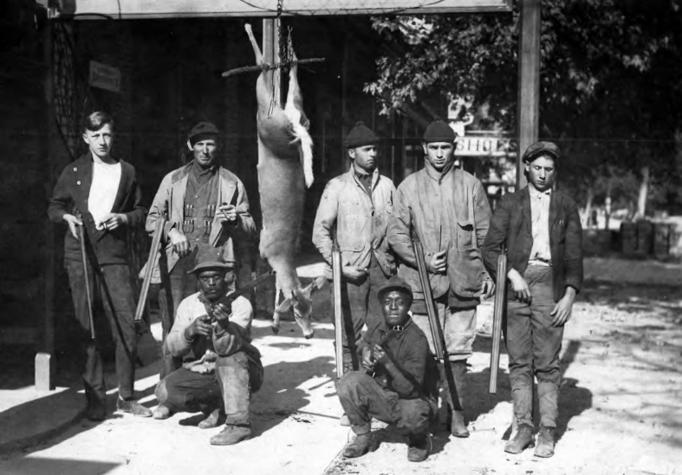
[449, 212]
[361, 221]
[169, 201]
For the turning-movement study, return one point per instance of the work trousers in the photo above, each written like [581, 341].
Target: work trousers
[179, 285]
[110, 286]
[360, 306]
[363, 398]
[231, 383]
[533, 345]
[459, 330]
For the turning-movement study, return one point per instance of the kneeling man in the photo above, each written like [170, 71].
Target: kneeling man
[396, 384]
[221, 368]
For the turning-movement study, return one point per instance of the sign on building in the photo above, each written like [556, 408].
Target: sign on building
[483, 146]
[104, 76]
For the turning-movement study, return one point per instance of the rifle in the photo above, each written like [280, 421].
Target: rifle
[498, 314]
[88, 296]
[225, 302]
[434, 324]
[149, 269]
[338, 309]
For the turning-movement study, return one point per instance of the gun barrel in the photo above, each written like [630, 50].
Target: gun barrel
[88, 295]
[149, 269]
[498, 314]
[338, 309]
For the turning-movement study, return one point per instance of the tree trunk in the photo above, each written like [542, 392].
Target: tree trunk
[587, 217]
[643, 190]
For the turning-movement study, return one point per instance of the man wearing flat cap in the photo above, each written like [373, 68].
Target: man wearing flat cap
[203, 203]
[449, 211]
[397, 383]
[212, 335]
[540, 228]
[354, 210]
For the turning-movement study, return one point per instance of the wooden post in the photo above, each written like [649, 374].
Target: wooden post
[271, 53]
[529, 81]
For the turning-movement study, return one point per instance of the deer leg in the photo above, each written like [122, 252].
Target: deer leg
[264, 84]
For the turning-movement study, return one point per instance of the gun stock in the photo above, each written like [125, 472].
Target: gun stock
[149, 269]
[434, 324]
[338, 309]
[498, 314]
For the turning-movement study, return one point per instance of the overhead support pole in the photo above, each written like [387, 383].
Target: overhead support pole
[529, 81]
[271, 53]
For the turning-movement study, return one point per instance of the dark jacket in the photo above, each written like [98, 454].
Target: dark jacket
[70, 196]
[511, 226]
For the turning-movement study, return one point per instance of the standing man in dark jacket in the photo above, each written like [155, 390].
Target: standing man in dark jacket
[397, 380]
[540, 227]
[101, 193]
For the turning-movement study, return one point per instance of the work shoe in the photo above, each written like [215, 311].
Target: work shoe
[360, 445]
[522, 439]
[133, 407]
[211, 420]
[161, 412]
[96, 412]
[545, 445]
[458, 426]
[418, 448]
[231, 434]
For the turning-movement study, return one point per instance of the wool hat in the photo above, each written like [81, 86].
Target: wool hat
[209, 257]
[202, 131]
[541, 148]
[439, 131]
[360, 135]
[394, 283]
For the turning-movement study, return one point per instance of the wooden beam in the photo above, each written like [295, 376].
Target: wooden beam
[529, 81]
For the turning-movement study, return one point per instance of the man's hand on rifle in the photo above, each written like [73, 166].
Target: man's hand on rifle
[227, 213]
[353, 273]
[179, 242]
[221, 313]
[519, 285]
[438, 263]
[487, 288]
[73, 223]
[201, 326]
[367, 359]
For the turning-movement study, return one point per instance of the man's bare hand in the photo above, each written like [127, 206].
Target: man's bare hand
[201, 326]
[519, 286]
[438, 263]
[114, 220]
[179, 242]
[73, 223]
[563, 308]
[487, 288]
[378, 353]
[367, 359]
[227, 213]
[353, 273]
[221, 312]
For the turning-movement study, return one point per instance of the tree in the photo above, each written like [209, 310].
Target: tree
[611, 81]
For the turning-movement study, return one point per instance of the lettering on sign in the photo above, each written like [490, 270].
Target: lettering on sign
[483, 146]
[104, 76]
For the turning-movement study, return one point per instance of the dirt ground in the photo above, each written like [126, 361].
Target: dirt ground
[620, 406]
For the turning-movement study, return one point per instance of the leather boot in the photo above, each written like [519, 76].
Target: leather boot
[418, 448]
[360, 445]
[211, 420]
[545, 445]
[522, 439]
[231, 434]
[458, 425]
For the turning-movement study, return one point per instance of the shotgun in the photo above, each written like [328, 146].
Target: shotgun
[88, 296]
[149, 269]
[498, 314]
[338, 310]
[434, 324]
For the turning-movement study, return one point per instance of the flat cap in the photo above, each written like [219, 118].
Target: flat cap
[439, 131]
[202, 131]
[541, 148]
[209, 257]
[360, 135]
[394, 283]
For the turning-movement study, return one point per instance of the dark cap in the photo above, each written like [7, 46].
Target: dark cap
[202, 131]
[439, 131]
[209, 257]
[359, 136]
[394, 283]
[541, 148]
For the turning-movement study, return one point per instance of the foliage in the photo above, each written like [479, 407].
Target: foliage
[611, 80]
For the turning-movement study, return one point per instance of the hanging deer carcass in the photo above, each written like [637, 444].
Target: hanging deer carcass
[284, 172]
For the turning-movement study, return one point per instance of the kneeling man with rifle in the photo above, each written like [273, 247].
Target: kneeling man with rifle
[397, 383]
[541, 229]
[221, 368]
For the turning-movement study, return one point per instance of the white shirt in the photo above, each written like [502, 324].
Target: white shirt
[106, 178]
[541, 252]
